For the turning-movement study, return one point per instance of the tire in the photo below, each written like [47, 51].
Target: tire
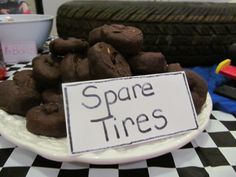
[189, 33]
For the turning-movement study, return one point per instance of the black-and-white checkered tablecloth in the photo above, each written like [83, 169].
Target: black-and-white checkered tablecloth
[212, 153]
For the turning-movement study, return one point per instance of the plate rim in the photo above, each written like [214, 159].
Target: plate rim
[95, 158]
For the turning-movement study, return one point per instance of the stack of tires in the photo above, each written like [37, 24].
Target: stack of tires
[189, 33]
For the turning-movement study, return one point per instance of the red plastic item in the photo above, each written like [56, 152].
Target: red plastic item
[2, 73]
[229, 71]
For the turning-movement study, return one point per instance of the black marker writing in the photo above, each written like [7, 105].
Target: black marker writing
[94, 96]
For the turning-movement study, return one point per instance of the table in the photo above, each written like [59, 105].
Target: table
[212, 153]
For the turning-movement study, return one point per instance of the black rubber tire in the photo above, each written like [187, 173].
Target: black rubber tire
[188, 33]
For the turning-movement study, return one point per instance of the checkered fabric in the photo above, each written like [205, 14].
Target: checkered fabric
[212, 153]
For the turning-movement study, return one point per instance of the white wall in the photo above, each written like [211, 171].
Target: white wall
[51, 6]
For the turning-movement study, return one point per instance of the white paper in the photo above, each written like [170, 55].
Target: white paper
[122, 111]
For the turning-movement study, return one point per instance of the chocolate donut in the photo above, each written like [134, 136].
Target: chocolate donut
[25, 78]
[46, 120]
[46, 71]
[74, 68]
[128, 40]
[106, 62]
[95, 36]
[174, 67]
[16, 99]
[148, 63]
[61, 47]
[68, 68]
[52, 96]
[198, 88]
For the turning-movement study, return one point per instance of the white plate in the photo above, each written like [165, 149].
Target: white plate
[13, 128]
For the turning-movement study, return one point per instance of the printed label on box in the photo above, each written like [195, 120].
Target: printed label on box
[118, 112]
[18, 51]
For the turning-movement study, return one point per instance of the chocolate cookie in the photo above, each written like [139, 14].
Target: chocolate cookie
[106, 62]
[47, 120]
[46, 71]
[25, 78]
[61, 47]
[148, 63]
[198, 88]
[16, 99]
[74, 68]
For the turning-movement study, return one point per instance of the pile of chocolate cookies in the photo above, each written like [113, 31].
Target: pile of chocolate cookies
[111, 51]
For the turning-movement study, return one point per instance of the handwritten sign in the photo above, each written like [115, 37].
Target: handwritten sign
[18, 51]
[122, 111]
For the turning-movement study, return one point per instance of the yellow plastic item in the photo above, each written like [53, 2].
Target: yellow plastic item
[223, 64]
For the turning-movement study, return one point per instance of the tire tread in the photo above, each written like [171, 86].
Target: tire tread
[188, 33]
